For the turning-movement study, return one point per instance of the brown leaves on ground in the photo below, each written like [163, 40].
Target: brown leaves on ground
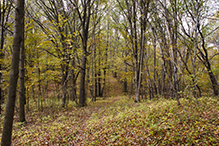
[120, 121]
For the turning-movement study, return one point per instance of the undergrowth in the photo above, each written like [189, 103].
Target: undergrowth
[120, 121]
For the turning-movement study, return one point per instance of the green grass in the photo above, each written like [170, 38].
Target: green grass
[120, 121]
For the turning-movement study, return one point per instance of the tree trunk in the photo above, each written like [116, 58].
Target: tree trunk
[87, 80]
[39, 90]
[22, 100]
[74, 96]
[2, 17]
[39, 83]
[125, 80]
[73, 90]
[64, 83]
[99, 78]
[84, 37]
[135, 45]
[82, 96]
[64, 94]
[9, 113]
[95, 74]
[213, 80]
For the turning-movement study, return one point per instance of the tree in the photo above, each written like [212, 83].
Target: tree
[5, 10]
[170, 14]
[22, 99]
[131, 11]
[84, 17]
[62, 35]
[196, 11]
[17, 41]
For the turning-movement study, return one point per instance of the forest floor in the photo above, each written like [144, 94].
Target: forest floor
[117, 120]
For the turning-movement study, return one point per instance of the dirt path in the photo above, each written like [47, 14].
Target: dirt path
[116, 91]
[56, 125]
[116, 88]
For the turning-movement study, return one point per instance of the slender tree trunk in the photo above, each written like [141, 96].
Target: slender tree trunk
[155, 66]
[193, 58]
[9, 113]
[205, 57]
[213, 80]
[87, 80]
[39, 83]
[74, 89]
[95, 74]
[84, 37]
[99, 77]
[22, 99]
[39, 89]
[92, 72]
[64, 93]
[163, 80]
[64, 83]
[125, 81]
[27, 99]
[82, 96]
[74, 78]
[2, 18]
[106, 59]
[135, 41]
[125, 89]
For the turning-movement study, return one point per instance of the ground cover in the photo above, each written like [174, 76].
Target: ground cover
[117, 120]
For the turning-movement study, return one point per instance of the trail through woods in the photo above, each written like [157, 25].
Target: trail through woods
[115, 90]
[68, 125]
[117, 120]
[115, 87]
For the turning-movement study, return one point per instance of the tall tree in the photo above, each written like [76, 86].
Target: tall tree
[5, 10]
[84, 12]
[60, 35]
[172, 28]
[196, 11]
[132, 10]
[22, 99]
[17, 41]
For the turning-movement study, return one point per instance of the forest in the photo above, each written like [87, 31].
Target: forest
[109, 72]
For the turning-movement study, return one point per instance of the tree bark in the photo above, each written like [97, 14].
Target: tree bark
[64, 83]
[3, 22]
[85, 21]
[82, 96]
[18, 36]
[213, 80]
[74, 79]
[64, 93]
[95, 75]
[99, 76]
[22, 100]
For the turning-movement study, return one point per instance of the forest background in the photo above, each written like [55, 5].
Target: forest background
[71, 51]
